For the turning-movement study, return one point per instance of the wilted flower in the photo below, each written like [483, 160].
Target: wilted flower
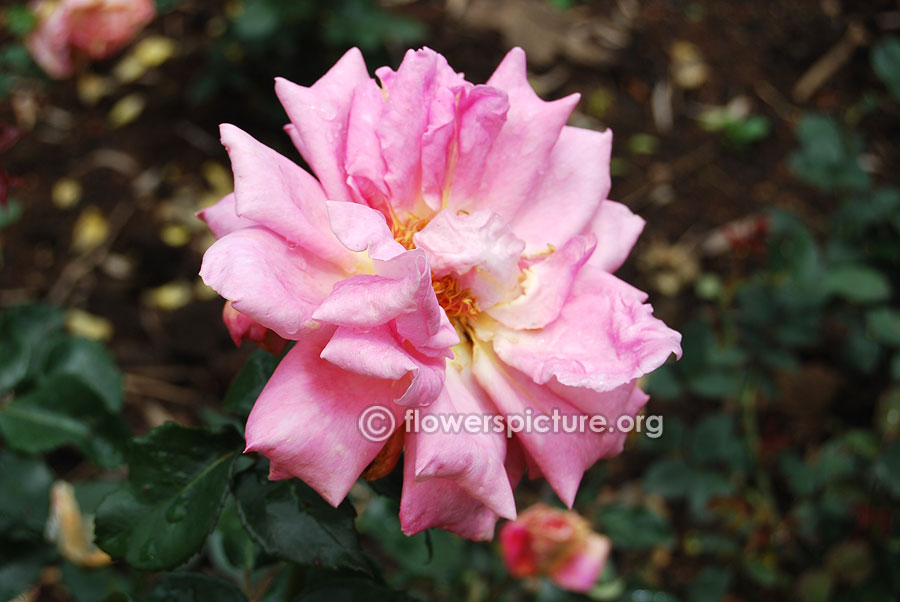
[559, 544]
[453, 254]
[94, 28]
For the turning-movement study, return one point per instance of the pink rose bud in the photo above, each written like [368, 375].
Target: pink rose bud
[559, 544]
[241, 327]
[95, 28]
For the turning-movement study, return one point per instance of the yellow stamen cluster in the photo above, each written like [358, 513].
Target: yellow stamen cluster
[404, 231]
[458, 303]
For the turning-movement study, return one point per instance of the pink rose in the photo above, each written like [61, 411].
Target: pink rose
[453, 255]
[558, 544]
[95, 28]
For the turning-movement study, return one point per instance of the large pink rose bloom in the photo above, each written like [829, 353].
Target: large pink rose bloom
[454, 253]
[94, 28]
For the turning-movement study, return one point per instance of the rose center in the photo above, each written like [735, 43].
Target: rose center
[457, 302]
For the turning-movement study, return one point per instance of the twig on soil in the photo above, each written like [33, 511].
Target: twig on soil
[830, 63]
[84, 264]
[146, 386]
[770, 95]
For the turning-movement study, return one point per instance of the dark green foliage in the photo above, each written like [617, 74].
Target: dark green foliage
[177, 481]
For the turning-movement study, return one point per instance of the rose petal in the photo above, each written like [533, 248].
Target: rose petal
[319, 115]
[604, 337]
[267, 280]
[306, 420]
[274, 192]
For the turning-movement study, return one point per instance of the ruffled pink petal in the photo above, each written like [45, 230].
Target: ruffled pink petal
[616, 229]
[367, 301]
[561, 456]
[364, 163]
[440, 503]
[521, 151]
[361, 228]
[319, 115]
[222, 217]
[472, 460]
[423, 80]
[477, 248]
[605, 336]
[437, 141]
[481, 114]
[580, 572]
[418, 379]
[569, 192]
[274, 192]
[546, 287]
[306, 420]
[268, 280]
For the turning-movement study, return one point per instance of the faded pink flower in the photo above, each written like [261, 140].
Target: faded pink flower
[454, 253]
[95, 28]
[559, 544]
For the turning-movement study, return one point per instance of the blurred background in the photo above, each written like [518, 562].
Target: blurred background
[759, 140]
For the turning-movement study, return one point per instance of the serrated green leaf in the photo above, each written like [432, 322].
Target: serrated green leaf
[25, 501]
[177, 483]
[91, 363]
[64, 411]
[249, 383]
[291, 521]
[857, 284]
[193, 587]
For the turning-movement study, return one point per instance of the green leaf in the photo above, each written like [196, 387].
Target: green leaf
[887, 468]
[857, 284]
[24, 504]
[177, 483]
[20, 565]
[352, 590]
[19, 20]
[249, 383]
[710, 585]
[11, 213]
[668, 478]
[90, 584]
[715, 440]
[13, 363]
[64, 411]
[291, 521]
[89, 362]
[886, 62]
[745, 132]
[635, 527]
[193, 587]
[883, 323]
[828, 158]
